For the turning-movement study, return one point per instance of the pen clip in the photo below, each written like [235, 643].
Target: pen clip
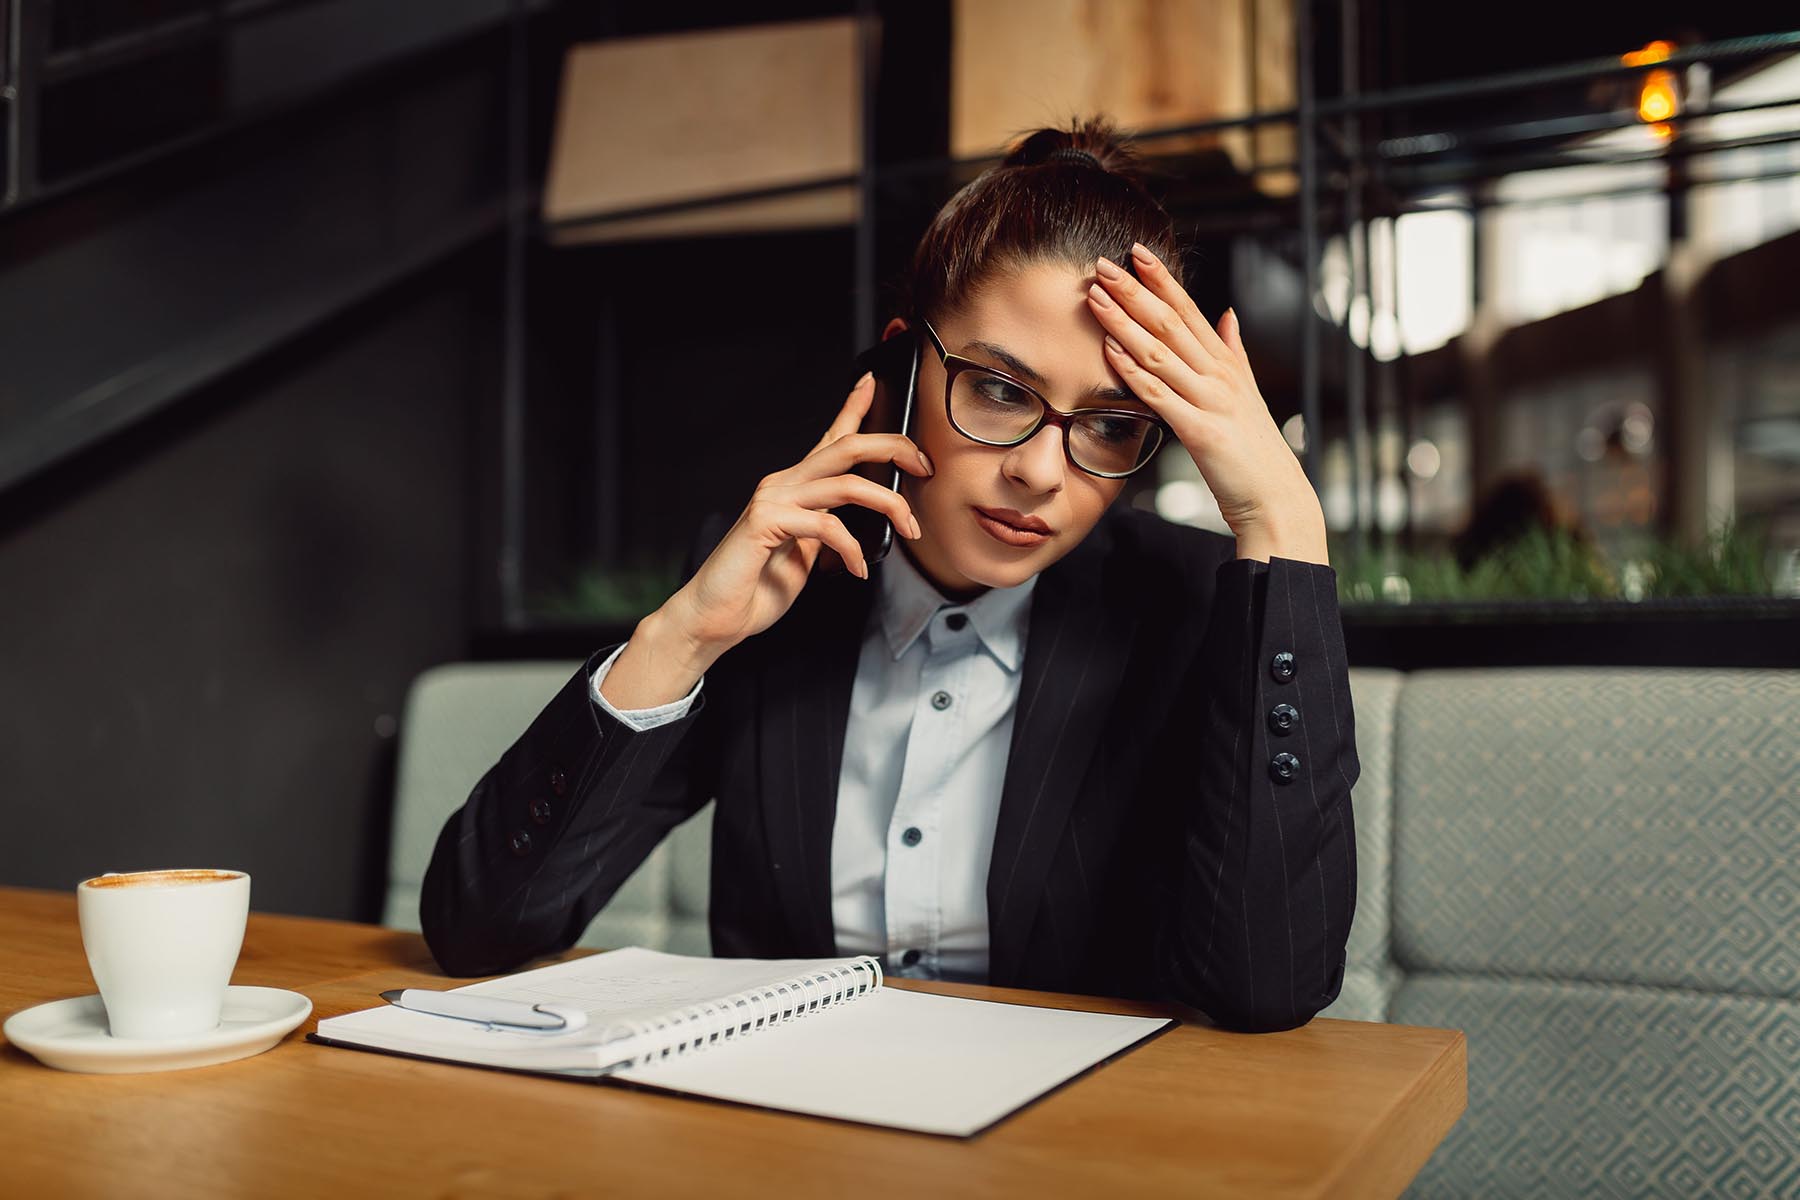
[560, 1014]
[479, 1011]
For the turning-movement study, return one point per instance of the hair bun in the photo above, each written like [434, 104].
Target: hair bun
[1071, 154]
[1082, 194]
[1094, 142]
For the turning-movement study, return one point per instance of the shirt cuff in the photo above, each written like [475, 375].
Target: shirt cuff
[640, 719]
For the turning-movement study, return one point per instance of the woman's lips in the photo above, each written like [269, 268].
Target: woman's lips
[1011, 535]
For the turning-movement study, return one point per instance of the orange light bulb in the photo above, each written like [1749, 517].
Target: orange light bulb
[1658, 99]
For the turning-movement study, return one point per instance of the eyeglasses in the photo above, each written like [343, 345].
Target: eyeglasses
[993, 408]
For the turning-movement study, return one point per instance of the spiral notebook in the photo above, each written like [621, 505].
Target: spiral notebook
[817, 1036]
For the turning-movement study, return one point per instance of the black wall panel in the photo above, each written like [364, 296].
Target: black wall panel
[211, 622]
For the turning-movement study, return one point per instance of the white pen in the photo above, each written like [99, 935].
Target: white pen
[491, 1011]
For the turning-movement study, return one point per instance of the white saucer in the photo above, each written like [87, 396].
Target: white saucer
[72, 1034]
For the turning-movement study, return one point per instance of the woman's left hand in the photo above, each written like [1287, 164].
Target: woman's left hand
[1198, 380]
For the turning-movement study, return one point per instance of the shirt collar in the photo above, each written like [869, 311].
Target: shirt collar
[908, 601]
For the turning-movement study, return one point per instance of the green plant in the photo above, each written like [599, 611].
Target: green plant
[1543, 563]
[1733, 562]
[613, 594]
[1555, 564]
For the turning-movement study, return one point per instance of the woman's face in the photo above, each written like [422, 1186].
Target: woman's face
[1035, 325]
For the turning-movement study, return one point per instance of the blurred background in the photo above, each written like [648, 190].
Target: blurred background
[339, 339]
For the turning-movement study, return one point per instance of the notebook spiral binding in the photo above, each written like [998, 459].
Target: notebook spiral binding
[699, 1026]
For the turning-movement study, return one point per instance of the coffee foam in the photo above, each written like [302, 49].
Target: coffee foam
[176, 878]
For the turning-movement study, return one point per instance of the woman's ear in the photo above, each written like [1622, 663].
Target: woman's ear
[895, 326]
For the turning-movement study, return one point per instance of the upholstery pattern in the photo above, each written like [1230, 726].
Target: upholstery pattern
[1595, 879]
[1611, 1091]
[1369, 973]
[457, 721]
[1629, 825]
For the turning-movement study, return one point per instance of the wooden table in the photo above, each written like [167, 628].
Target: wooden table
[1334, 1108]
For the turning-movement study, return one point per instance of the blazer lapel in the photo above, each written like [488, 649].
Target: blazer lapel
[805, 706]
[1076, 650]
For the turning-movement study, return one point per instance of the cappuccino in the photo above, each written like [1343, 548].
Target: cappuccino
[159, 878]
[162, 945]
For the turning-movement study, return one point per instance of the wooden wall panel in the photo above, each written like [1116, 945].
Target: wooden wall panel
[1022, 64]
[655, 120]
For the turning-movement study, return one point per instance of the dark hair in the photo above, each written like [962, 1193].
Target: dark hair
[1044, 201]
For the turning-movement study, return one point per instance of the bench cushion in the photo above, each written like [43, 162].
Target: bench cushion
[1595, 878]
[1606, 1090]
[1369, 972]
[1633, 826]
[457, 722]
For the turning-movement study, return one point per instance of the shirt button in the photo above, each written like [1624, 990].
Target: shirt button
[520, 843]
[956, 620]
[1283, 718]
[941, 701]
[1281, 667]
[912, 836]
[1283, 767]
[909, 958]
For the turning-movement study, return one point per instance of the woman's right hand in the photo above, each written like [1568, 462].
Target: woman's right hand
[758, 569]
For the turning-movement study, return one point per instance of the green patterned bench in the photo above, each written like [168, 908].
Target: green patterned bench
[1594, 873]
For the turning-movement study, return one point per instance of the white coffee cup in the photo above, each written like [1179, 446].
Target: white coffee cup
[162, 945]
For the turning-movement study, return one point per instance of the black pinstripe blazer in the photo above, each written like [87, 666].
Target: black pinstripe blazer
[1152, 839]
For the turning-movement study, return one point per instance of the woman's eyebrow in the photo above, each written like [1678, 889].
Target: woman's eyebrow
[1013, 363]
[1019, 367]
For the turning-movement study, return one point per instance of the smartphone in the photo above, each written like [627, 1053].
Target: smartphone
[895, 365]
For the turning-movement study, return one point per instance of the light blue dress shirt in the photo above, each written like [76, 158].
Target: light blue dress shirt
[925, 754]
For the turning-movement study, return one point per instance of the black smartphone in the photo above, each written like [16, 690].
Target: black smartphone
[895, 365]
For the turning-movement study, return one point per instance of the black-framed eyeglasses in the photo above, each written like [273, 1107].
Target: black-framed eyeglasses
[991, 407]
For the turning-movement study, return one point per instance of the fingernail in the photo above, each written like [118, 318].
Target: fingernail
[1232, 313]
[1108, 269]
[1099, 295]
[916, 531]
[862, 570]
[1142, 253]
[1112, 343]
[929, 469]
[866, 376]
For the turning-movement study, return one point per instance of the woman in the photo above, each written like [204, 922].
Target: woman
[1044, 743]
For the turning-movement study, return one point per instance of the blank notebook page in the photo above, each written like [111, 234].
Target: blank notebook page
[911, 1060]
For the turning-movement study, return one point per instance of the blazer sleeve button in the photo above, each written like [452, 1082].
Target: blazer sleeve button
[1283, 718]
[559, 781]
[520, 843]
[540, 811]
[1281, 667]
[1284, 767]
